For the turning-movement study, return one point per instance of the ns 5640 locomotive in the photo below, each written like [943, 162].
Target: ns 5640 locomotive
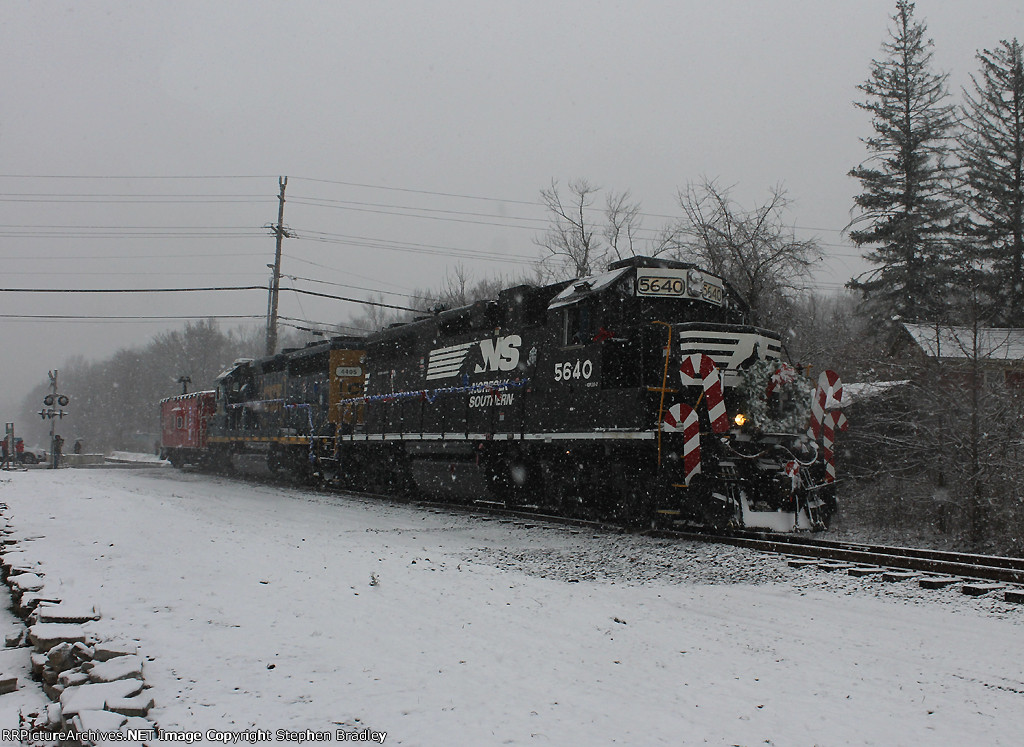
[641, 394]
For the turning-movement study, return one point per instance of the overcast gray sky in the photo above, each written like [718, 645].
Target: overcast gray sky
[415, 135]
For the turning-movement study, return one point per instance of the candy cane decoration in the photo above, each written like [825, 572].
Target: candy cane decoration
[684, 418]
[833, 421]
[784, 374]
[699, 368]
[827, 396]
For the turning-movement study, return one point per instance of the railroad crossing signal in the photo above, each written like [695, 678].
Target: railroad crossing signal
[53, 398]
[50, 400]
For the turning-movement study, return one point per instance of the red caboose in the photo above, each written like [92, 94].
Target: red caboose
[183, 421]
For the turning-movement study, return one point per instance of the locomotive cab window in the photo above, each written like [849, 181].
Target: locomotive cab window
[579, 323]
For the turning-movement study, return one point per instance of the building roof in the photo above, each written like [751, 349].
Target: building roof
[950, 342]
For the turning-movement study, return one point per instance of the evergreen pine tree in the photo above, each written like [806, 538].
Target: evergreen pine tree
[992, 153]
[905, 210]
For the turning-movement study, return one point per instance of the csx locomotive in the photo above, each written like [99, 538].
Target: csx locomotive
[640, 393]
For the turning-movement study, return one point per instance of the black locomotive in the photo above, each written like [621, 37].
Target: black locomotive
[640, 393]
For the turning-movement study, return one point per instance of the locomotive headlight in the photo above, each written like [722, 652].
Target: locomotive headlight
[740, 419]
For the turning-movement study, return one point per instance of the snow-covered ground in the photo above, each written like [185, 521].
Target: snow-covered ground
[262, 607]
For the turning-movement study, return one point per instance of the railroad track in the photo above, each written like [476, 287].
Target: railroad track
[977, 574]
[934, 569]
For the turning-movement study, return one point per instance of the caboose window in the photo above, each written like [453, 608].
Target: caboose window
[179, 422]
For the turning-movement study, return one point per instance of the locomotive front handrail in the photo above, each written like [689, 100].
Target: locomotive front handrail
[664, 381]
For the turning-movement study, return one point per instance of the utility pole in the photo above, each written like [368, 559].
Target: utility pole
[275, 282]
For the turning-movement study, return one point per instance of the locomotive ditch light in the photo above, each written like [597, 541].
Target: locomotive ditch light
[740, 419]
[696, 284]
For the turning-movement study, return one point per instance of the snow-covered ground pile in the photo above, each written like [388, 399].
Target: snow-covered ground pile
[134, 457]
[270, 608]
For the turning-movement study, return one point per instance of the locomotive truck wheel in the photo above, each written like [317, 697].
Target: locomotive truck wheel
[638, 508]
[829, 507]
[718, 512]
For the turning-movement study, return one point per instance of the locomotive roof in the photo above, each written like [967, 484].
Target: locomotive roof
[553, 296]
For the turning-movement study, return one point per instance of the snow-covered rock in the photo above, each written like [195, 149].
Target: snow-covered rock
[93, 697]
[105, 650]
[136, 706]
[23, 582]
[45, 636]
[120, 668]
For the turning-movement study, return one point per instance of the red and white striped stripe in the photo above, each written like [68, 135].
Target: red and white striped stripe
[684, 418]
[832, 422]
[698, 368]
[827, 396]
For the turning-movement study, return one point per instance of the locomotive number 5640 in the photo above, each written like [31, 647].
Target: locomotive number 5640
[574, 370]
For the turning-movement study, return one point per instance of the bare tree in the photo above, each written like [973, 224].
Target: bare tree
[581, 241]
[455, 291]
[827, 331]
[570, 242]
[623, 225]
[752, 249]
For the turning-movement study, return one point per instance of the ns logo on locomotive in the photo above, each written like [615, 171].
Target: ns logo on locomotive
[642, 393]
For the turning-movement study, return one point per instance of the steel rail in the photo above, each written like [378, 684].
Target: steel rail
[983, 567]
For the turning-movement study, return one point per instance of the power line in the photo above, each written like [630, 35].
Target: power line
[370, 243]
[148, 176]
[134, 290]
[353, 300]
[358, 287]
[138, 199]
[199, 290]
[51, 273]
[72, 317]
[346, 271]
[130, 234]
[352, 204]
[398, 214]
[360, 185]
[286, 319]
[161, 255]
[419, 191]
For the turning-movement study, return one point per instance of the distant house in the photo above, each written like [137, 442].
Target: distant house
[998, 351]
